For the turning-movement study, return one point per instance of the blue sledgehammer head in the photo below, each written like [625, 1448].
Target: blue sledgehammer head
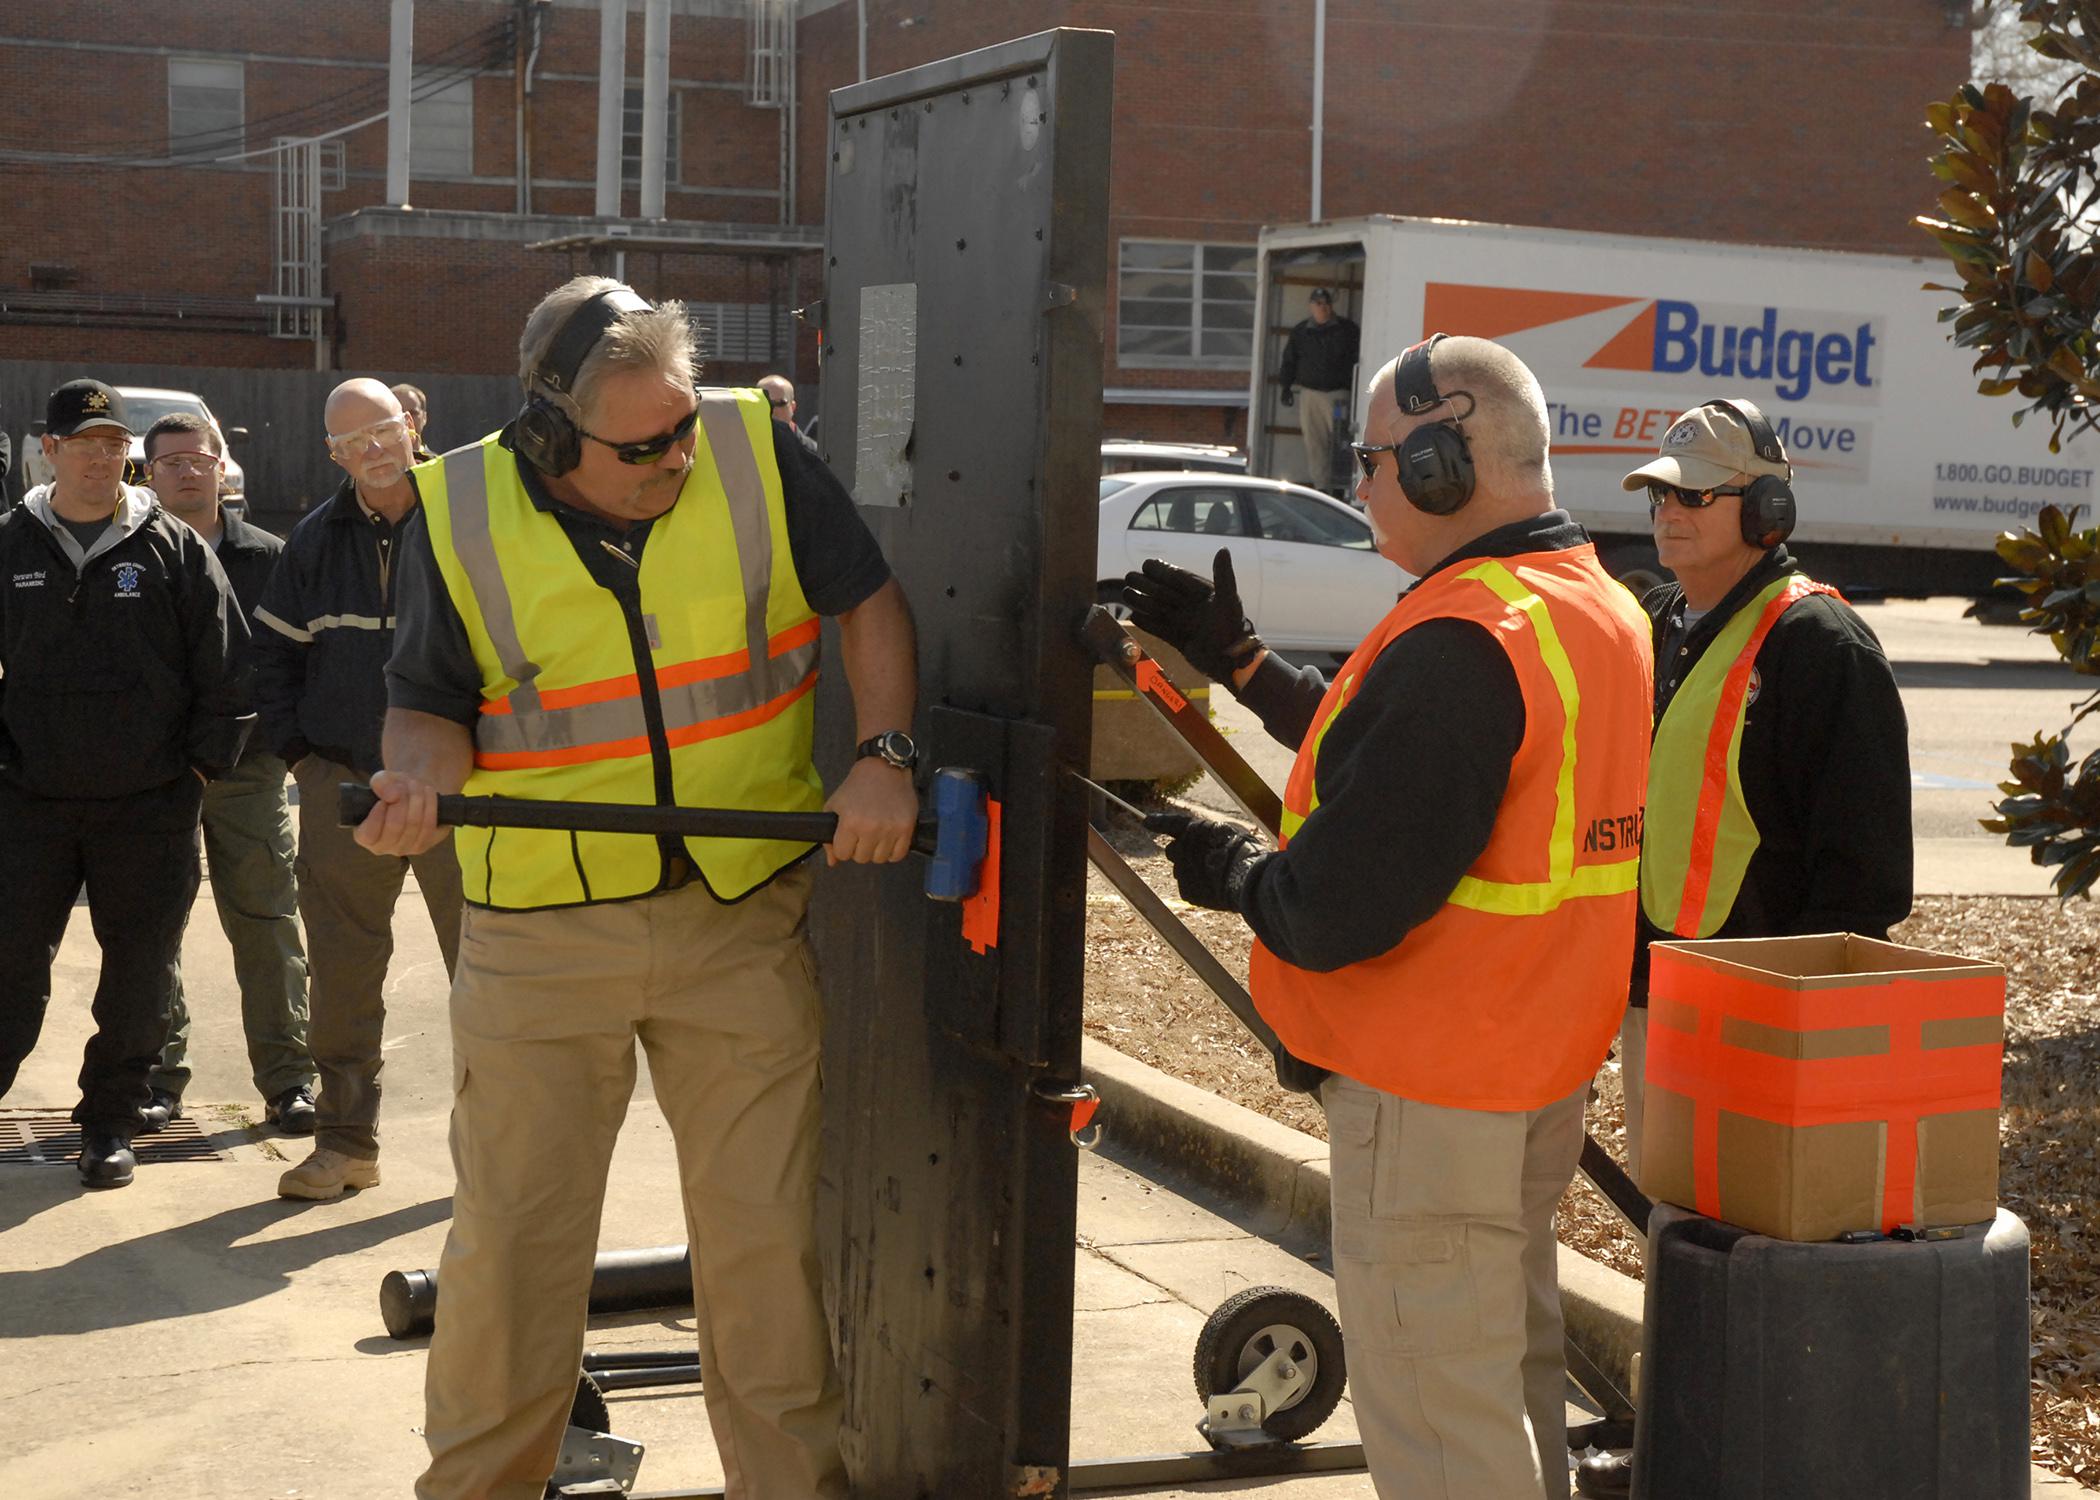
[962, 830]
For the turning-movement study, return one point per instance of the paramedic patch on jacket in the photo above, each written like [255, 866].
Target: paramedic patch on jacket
[128, 580]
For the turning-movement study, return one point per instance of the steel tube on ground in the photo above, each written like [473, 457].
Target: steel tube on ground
[646, 1377]
[624, 1281]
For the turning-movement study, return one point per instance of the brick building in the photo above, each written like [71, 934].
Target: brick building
[150, 209]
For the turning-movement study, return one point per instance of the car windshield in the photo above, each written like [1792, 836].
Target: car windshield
[1110, 486]
[144, 411]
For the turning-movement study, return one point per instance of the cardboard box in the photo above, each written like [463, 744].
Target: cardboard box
[1806, 1086]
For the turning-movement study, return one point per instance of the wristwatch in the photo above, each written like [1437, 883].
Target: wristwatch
[894, 746]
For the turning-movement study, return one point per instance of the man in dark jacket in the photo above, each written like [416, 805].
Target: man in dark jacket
[325, 630]
[1811, 832]
[247, 820]
[120, 697]
[1318, 365]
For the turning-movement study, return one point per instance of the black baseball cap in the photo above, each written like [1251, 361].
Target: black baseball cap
[79, 405]
[1321, 294]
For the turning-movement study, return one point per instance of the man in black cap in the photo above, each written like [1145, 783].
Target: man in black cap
[1319, 363]
[119, 698]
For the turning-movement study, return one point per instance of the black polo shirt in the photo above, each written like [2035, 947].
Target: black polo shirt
[837, 561]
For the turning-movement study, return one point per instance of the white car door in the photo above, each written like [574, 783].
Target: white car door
[1186, 524]
[1324, 584]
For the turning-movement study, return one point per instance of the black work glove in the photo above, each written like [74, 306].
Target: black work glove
[1211, 860]
[1205, 623]
[1289, 397]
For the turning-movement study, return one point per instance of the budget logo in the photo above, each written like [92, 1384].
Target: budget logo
[1793, 354]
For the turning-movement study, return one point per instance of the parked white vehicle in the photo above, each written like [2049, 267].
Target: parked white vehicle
[143, 406]
[1307, 570]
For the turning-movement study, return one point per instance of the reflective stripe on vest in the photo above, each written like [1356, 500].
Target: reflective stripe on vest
[726, 649]
[1700, 835]
[1563, 881]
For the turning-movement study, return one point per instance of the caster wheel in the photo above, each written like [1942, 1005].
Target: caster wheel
[589, 1410]
[1250, 1326]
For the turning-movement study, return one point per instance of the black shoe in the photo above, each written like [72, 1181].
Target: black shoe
[106, 1159]
[292, 1111]
[1605, 1475]
[159, 1111]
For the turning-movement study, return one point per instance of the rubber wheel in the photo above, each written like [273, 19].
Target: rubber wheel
[1250, 1326]
[589, 1410]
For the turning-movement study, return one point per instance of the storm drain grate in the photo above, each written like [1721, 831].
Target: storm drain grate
[53, 1140]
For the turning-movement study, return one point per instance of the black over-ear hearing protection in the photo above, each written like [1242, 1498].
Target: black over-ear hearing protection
[545, 434]
[1434, 463]
[1768, 500]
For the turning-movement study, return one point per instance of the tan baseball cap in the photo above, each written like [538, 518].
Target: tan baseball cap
[1704, 449]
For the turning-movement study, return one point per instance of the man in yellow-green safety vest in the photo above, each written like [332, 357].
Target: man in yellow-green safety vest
[617, 599]
[1779, 779]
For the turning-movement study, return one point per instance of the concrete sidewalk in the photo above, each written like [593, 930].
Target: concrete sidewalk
[193, 1334]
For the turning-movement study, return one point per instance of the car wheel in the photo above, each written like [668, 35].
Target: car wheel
[1638, 568]
[1109, 595]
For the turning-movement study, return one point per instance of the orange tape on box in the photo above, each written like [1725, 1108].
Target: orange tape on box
[1898, 1087]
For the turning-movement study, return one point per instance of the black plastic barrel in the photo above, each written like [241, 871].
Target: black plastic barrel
[624, 1281]
[1772, 1370]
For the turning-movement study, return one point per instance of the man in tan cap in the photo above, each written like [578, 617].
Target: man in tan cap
[1811, 830]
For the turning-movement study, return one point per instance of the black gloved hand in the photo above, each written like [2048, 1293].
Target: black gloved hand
[1288, 398]
[1211, 860]
[1204, 622]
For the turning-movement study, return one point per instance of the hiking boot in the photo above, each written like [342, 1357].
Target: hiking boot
[1605, 1475]
[291, 1111]
[106, 1159]
[327, 1174]
[158, 1112]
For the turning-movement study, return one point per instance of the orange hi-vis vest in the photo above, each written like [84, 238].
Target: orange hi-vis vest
[1508, 996]
[1700, 832]
[568, 703]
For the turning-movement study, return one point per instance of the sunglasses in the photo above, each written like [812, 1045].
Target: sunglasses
[1689, 499]
[1367, 456]
[649, 450]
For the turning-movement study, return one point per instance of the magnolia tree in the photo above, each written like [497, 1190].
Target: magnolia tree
[2020, 198]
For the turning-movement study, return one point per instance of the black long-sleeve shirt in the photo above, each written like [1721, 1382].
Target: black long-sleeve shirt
[1824, 764]
[1410, 778]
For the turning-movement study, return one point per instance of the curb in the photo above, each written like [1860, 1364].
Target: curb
[1278, 1177]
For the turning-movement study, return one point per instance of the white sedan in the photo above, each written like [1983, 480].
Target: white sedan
[1307, 570]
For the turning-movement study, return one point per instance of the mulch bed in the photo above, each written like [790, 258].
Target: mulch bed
[1144, 1003]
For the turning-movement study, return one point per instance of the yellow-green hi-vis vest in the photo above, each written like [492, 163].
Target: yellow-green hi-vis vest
[1699, 835]
[732, 659]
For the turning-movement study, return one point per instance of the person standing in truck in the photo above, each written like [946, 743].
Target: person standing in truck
[1319, 363]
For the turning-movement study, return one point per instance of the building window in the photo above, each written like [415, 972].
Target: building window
[206, 107]
[441, 128]
[1185, 305]
[631, 138]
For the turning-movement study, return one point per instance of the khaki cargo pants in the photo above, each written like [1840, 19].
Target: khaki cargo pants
[546, 1010]
[1447, 1275]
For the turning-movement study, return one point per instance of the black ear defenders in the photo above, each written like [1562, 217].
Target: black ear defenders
[1435, 465]
[1768, 500]
[545, 435]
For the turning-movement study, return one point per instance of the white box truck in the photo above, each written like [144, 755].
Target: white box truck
[1905, 475]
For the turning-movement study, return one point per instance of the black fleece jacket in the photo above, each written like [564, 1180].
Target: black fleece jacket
[1410, 779]
[1825, 766]
[119, 667]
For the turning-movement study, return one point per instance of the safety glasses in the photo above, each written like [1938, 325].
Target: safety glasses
[649, 450]
[1367, 456]
[352, 444]
[1689, 499]
[185, 463]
